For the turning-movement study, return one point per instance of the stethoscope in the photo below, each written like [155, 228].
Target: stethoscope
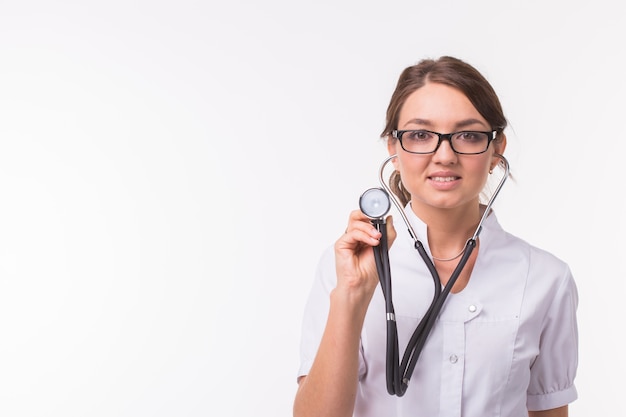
[375, 203]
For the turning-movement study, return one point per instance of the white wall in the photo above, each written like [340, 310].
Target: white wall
[171, 170]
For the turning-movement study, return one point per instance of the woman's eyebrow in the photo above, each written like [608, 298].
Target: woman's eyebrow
[459, 125]
[468, 122]
[421, 122]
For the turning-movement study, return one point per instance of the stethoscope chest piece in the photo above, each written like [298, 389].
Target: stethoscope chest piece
[375, 203]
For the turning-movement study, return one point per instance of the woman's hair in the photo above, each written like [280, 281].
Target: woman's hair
[454, 73]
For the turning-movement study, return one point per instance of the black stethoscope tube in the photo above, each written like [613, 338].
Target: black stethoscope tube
[381, 255]
[398, 373]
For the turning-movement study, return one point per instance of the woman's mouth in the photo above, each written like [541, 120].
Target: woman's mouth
[444, 179]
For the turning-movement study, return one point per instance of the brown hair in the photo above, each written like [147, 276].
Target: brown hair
[454, 73]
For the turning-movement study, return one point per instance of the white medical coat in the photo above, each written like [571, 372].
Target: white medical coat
[507, 343]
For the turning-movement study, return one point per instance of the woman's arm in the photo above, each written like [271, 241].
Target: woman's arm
[329, 389]
[555, 412]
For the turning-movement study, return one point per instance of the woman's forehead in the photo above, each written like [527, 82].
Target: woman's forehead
[437, 104]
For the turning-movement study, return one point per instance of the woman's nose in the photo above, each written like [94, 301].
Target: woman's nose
[444, 153]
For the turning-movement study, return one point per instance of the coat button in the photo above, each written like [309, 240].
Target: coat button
[472, 308]
[453, 359]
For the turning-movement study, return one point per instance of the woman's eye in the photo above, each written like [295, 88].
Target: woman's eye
[418, 135]
[471, 136]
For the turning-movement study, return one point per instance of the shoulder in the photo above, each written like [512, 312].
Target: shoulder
[511, 242]
[327, 257]
[539, 262]
[542, 280]
[325, 273]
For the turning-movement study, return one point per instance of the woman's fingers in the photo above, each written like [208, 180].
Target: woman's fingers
[354, 256]
[359, 222]
[391, 231]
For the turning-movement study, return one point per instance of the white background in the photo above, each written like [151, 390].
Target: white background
[170, 172]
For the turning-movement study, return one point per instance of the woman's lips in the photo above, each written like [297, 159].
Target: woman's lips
[444, 181]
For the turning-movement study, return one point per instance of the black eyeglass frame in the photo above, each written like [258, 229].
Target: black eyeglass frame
[491, 135]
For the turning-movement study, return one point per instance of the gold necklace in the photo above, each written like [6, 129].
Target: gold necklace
[449, 259]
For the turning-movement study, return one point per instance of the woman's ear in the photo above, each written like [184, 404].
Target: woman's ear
[500, 143]
[392, 148]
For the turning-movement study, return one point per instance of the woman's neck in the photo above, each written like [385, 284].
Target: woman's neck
[449, 229]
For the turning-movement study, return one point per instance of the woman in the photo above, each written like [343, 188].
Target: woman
[505, 343]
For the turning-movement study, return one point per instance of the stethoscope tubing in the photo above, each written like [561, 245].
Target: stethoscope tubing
[399, 372]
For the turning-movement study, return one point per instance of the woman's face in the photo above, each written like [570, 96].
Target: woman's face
[444, 179]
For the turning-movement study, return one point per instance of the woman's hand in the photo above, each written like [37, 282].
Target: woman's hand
[354, 256]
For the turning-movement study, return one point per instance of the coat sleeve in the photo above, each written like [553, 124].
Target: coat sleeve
[554, 370]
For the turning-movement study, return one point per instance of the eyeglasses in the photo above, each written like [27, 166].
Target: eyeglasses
[425, 141]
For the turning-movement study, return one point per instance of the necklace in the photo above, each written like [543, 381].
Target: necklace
[449, 259]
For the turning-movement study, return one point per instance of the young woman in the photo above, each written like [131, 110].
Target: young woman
[505, 342]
